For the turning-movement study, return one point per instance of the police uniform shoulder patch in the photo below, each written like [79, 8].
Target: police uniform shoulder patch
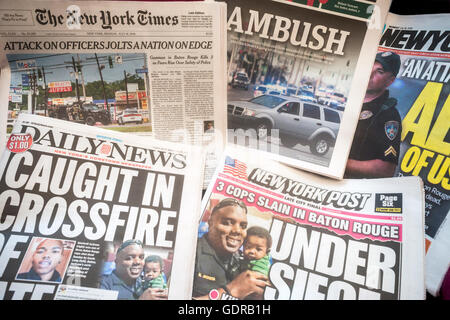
[391, 129]
[365, 114]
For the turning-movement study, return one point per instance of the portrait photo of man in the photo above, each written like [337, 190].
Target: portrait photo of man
[45, 260]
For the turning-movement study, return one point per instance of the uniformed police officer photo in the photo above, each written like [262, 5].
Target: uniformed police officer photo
[217, 262]
[376, 144]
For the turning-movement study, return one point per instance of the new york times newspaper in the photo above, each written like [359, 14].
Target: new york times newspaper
[87, 213]
[421, 89]
[287, 234]
[147, 68]
[296, 75]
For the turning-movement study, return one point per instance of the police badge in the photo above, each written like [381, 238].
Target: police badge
[391, 129]
[365, 114]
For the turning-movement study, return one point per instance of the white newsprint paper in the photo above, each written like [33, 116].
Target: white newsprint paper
[84, 210]
[147, 68]
[297, 72]
[314, 237]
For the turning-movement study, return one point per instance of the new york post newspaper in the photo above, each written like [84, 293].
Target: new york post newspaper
[288, 234]
[87, 213]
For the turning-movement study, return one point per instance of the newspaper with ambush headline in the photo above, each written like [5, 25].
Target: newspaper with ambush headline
[147, 68]
[296, 73]
[321, 238]
[421, 90]
[85, 213]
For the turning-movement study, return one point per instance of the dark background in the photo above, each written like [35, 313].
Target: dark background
[420, 7]
[397, 6]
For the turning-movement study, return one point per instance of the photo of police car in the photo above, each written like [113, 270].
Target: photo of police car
[129, 115]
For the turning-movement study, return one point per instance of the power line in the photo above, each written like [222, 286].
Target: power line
[37, 57]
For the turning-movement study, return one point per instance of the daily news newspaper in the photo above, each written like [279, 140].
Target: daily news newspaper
[297, 73]
[422, 88]
[312, 237]
[147, 68]
[87, 213]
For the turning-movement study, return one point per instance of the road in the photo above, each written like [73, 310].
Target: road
[274, 145]
[240, 94]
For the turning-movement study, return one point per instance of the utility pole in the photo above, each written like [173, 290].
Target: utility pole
[126, 86]
[147, 86]
[45, 91]
[82, 77]
[33, 84]
[103, 84]
[76, 79]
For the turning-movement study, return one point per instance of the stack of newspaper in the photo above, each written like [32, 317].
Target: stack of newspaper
[240, 98]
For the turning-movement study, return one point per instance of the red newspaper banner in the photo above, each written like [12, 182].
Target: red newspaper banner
[341, 223]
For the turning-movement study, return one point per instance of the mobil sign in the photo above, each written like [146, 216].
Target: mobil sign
[26, 64]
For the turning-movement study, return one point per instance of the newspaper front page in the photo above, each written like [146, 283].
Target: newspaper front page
[421, 144]
[139, 67]
[88, 213]
[297, 72]
[269, 231]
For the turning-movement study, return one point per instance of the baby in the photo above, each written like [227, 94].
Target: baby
[256, 250]
[153, 274]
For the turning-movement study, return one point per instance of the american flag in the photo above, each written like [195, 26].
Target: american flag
[235, 167]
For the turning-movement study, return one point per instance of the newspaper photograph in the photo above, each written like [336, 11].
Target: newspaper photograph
[296, 75]
[147, 68]
[269, 231]
[92, 214]
[405, 120]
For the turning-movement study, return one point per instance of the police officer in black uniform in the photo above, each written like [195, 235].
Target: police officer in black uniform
[376, 144]
[217, 260]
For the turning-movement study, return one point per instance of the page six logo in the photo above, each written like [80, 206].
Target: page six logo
[388, 202]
